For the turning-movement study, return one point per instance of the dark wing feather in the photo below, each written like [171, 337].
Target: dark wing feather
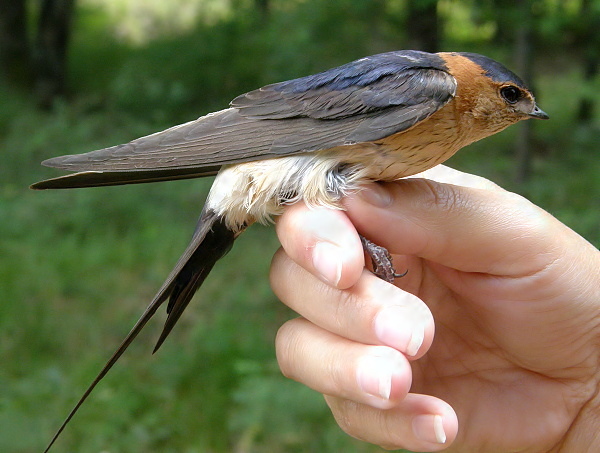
[371, 84]
[210, 242]
[365, 100]
[217, 241]
[99, 178]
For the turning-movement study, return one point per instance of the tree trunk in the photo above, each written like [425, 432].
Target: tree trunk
[14, 47]
[589, 42]
[51, 49]
[524, 65]
[422, 25]
[585, 113]
[263, 7]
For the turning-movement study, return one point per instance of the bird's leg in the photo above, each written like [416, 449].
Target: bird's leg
[382, 261]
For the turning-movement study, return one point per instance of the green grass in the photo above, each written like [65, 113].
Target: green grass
[78, 267]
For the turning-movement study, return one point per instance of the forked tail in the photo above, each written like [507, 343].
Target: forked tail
[211, 241]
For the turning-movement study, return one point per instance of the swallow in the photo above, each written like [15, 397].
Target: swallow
[316, 139]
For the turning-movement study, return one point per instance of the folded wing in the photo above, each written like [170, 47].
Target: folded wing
[365, 100]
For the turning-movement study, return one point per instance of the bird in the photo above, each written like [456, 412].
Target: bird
[317, 139]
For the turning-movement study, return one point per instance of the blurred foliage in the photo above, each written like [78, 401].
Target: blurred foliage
[77, 267]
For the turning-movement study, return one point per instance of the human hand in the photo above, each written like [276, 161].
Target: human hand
[512, 294]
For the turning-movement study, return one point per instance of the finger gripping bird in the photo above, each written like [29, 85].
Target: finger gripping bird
[316, 139]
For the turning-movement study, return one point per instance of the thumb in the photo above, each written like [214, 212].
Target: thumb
[470, 229]
[525, 274]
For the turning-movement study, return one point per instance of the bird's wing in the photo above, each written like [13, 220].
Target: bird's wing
[369, 85]
[365, 100]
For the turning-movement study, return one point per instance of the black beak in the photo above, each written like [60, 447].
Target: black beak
[538, 113]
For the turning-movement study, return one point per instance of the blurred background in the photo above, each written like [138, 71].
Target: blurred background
[78, 267]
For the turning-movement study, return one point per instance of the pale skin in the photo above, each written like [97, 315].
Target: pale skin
[490, 343]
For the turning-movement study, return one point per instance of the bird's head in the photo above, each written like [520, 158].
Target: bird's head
[489, 97]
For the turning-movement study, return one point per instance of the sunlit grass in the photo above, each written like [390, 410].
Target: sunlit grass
[138, 22]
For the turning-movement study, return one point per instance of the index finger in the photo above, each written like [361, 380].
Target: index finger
[323, 241]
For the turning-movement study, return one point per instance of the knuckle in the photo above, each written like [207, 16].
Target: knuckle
[445, 197]
[358, 307]
[344, 412]
[391, 435]
[531, 217]
[348, 303]
[336, 376]
[438, 197]
[365, 424]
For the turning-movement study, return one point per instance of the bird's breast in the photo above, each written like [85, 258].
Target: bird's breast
[426, 144]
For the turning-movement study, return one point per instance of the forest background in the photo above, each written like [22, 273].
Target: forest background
[78, 267]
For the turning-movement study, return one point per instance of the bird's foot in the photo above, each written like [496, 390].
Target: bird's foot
[382, 261]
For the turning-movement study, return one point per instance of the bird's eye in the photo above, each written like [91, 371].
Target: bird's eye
[511, 94]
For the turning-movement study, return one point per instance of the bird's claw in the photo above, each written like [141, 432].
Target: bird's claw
[382, 261]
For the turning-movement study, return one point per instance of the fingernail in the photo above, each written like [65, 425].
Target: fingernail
[429, 428]
[375, 374]
[396, 328]
[376, 195]
[327, 261]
